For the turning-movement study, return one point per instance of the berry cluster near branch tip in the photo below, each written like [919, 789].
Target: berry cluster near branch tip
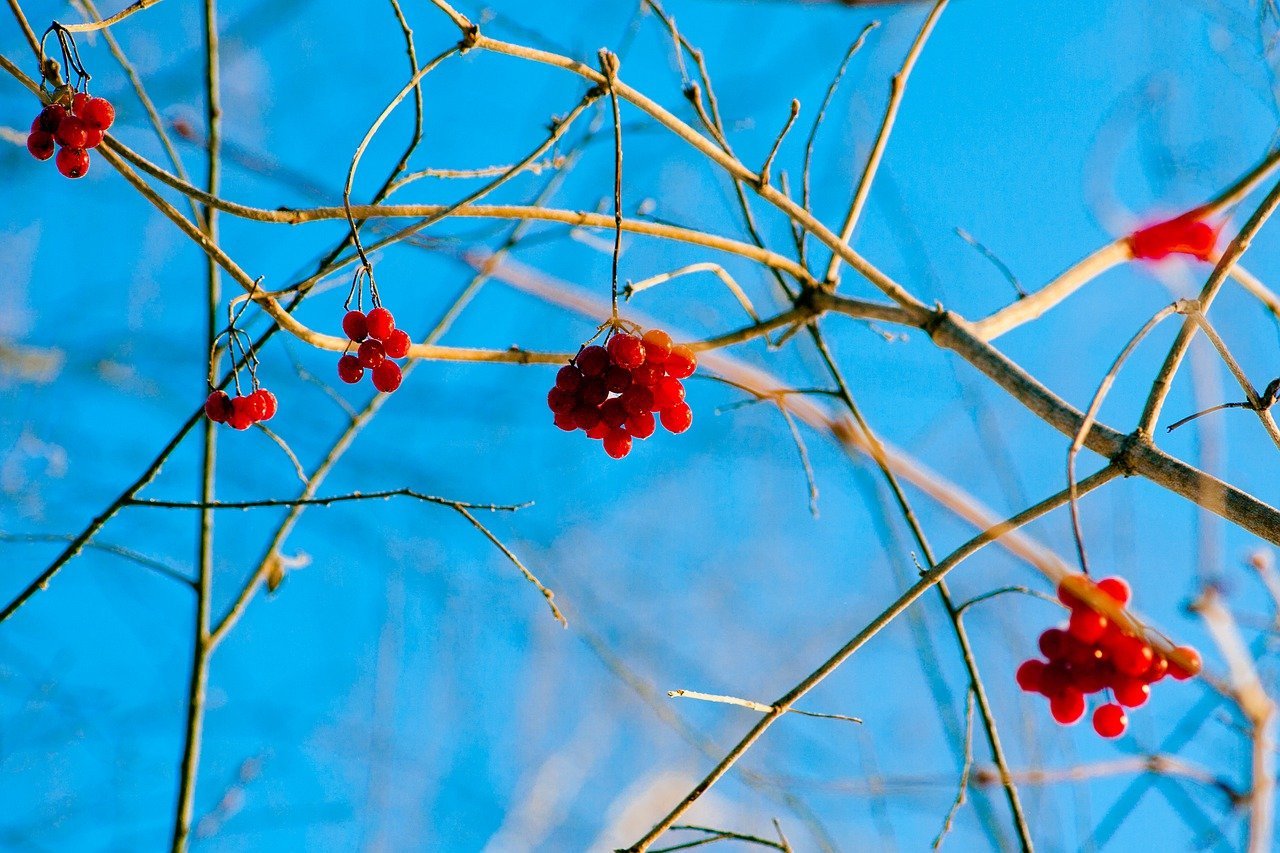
[1182, 235]
[74, 124]
[613, 392]
[1091, 654]
[241, 411]
[380, 342]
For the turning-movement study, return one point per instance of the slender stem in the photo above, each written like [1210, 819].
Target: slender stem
[93, 26]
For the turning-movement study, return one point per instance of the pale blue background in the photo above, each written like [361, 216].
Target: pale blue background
[407, 690]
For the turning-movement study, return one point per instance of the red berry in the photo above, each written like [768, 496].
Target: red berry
[1132, 656]
[387, 377]
[569, 378]
[667, 393]
[264, 404]
[657, 346]
[1055, 644]
[1092, 676]
[72, 133]
[73, 162]
[593, 391]
[1055, 679]
[355, 325]
[1159, 669]
[349, 369]
[49, 119]
[1192, 667]
[598, 430]
[381, 322]
[241, 413]
[587, 417]
[1068, 587]
[217, 407]
[647, 375]
[613, 413]
[78, 102]
[1086, 625]
[681, 363]
[1131, 692]
[561, 401]
[617, 379]
[1183, 235]
[1030, 675]
[617, 443]
[98, 112]
[566, 422]
[641, 424]
[1117, 589]
[1110, 720]
[396, 344]
[592, 361]
[627, 351]
[638, 399]
[371, 353]
[93, 137]
[678, 418]
[1067, 706]
[40, 144]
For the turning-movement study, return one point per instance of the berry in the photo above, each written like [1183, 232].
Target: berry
[71, 133]
[617, 443]
[73, 162]
[592, 361]
[566, 422]
[1183, 235]
[1067, 589]
[1159, 669]
[681, 363]
[387, 377]
[1055, 679]
[79, 101]
[641, 424]
[40, 144]
[1132, 656]
[93, 137]
[217, 407]
[638, 399]
[613, 413]
[617, 379]
[1092, 676]
[371, 353]
[98, 113]
[241, 413]
[1086, 625]
[587, 417]
[678, 418]
[1117, 589]
[667, 393]
[593, 391]
[1193, 663]
[657, 346]
[397, 344]
[1067, 706]
[627, 351]
[355, 325]
[561, 401]
[381, 323]
[647, 374]
[349, 369]
[1131, 692]
[1054, 644]
[1030, 675]
[49, 119]
[569, 378]
[264, 404]
[598, 431]
[1110, 721]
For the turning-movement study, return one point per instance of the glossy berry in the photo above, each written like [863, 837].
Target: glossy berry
[73, 162]
[355, 325]
[638, 399]
[627, 351]
[1192, 667]
[1132, 656]
[1110, 721]
[1054, 644]
[598, 431]
[40, 144]
[1030, 675]
[1068, 588]
[92, 137]
[677, 419]
[592, 361]
[647, 375]
[1117, 589]
[617, 379]
[613, 413]
[681, 363]
[617, 443]
[49, 119]
[371, 353]
[561, 401]
[71, 133]
[396, 344]
[667, 392]
[98, 112]
[1067, 706]
[217, 407]
[657, 346]
[1086, 625]
[381, 323]
[241, 413]
[569, 378]
[641, 424]
[565, 422]
[1159, 669]
[79, 101]
[349, 369]
[387, 377]
[1131, 692]
[264, 404]
[593, 391]
[587, 417]
[1182, 235]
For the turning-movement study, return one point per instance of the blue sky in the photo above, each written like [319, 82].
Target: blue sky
[407, 690]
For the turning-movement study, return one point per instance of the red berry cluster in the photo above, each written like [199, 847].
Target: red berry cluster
[74, 128]
[241, 411]
[1182, 235]
[612, 392]
[1093, 654]
[380, 341]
